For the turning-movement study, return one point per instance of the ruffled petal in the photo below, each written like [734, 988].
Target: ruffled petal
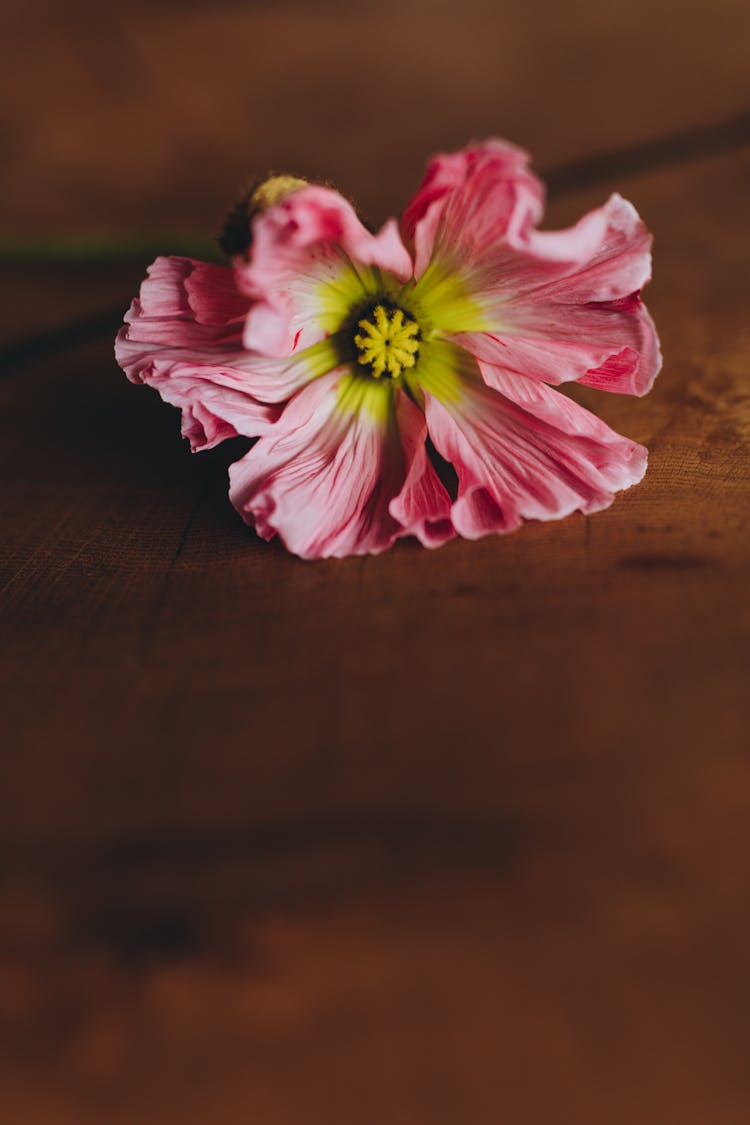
[423, 506]
[526, 453]
[312, 260]
[469, 200]
[185, 303]
[324, 478]
[183, 336]
[212, 295]
[566, 306]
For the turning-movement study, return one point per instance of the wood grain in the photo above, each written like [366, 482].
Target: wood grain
[437, 837]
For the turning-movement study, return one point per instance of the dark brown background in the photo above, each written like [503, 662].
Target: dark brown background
[436, 838]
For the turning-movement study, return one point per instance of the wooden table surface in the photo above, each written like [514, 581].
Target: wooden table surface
[435, 838]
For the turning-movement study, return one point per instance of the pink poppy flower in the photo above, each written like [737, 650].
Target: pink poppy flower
[401, 383]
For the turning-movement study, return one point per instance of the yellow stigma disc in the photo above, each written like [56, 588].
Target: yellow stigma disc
[388, 342]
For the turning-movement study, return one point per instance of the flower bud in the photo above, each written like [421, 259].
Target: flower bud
[236, 235]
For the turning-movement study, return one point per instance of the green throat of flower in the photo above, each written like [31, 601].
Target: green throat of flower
[387, 341]
[388, 334]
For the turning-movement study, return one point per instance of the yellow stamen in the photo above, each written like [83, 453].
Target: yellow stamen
[388, 342]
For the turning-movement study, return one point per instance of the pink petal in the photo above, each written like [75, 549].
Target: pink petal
[324, 477]
[423, 506]
[470, 199]
[307, 239]
[540, 456]
[213, 295]
[185, 302]
[567, 304]
[182, 336]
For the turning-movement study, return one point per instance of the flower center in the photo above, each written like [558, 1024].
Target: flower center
[388, 341]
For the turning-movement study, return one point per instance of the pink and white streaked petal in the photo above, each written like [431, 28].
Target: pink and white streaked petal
[186, 302]
[201, 365]
[540, 460]
[559, 411]
[307, 241]
[423, 506]
[324, 477]
[215, 399]
[568, 306]
[479, 196]
[609, 250]
[213, 295]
